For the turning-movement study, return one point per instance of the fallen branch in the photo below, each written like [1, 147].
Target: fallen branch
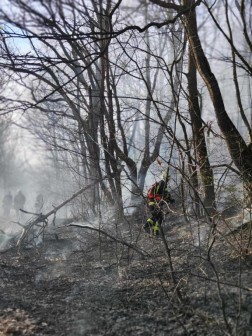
[146, 255]
[111, 237]
[18, 224]
[29, 213]
[41, 218]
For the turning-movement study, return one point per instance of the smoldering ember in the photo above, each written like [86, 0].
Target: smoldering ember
[125, 167]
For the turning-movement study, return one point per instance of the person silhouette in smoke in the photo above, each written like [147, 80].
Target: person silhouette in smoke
[19, 202]
[7, 203]
[39, 203]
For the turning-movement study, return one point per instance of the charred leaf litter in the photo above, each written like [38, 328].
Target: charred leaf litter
[79, 284]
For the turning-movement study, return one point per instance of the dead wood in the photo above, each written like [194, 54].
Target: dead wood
[111, 237]
[42, 218]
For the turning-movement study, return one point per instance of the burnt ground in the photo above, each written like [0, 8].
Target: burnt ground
[81, 285]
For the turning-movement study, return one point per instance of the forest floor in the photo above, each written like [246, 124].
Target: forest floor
[83, 285]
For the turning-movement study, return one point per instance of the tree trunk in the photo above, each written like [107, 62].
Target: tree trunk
[199, 138]
[239, 151]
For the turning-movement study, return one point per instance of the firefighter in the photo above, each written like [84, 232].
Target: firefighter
[157, 196]
[19, 202]
[39, 203]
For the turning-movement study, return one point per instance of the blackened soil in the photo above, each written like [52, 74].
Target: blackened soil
[68, 287]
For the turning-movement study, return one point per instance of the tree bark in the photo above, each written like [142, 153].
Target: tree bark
[206, 172]
[239, 151]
